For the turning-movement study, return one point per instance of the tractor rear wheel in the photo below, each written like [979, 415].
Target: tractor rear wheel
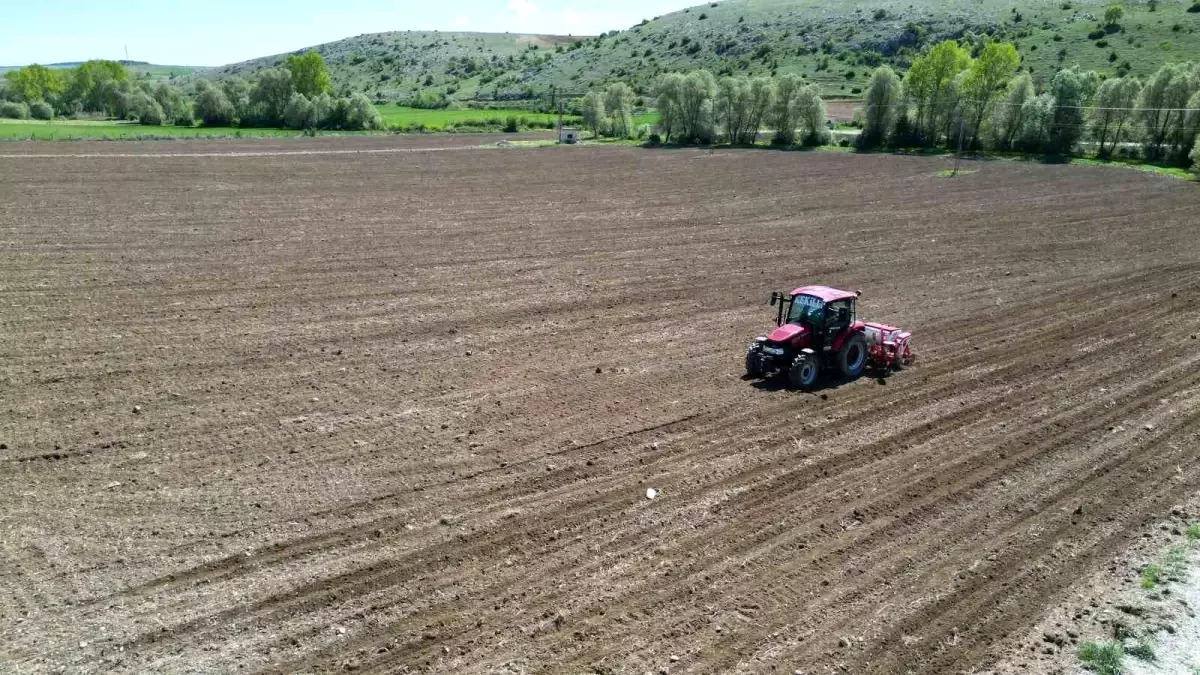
[852, 357]
[803, 373]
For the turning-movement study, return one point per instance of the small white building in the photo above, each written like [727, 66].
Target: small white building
[568, 136]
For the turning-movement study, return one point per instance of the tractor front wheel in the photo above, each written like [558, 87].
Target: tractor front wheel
[803, 373]
[754, 366]
[852, 357]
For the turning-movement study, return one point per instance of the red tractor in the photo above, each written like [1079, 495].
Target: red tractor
[817, 330]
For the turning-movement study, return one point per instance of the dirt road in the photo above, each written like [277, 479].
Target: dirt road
[400, 411]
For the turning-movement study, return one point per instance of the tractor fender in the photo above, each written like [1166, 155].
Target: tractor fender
[856, 327]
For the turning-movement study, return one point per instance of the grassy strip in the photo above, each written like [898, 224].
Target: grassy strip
[67, 130]
[418, 119]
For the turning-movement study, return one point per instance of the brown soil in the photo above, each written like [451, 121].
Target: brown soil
[387, 411]
[842, 111]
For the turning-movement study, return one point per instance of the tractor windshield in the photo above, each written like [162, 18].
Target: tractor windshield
[807, 309]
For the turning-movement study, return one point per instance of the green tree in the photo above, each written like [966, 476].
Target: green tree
[361, 113]
[1113, 15]
[668, 92]
[762, 93]
[1072, 90]
[1008, 117]
[14, 110]
[212, 106]
[1115, 102]
[1191, 129]
[171, 100]
[270, 95]
[148, 111]
[594, 116]
[1161, 105]
[35, 83]
[40, 110]
[812, 116]
[927, 82]
[310, 75]
[1037, 124]
[882, 106]
[696, 106]
[237, 92]
[784, 115]
[731, 107]
[92, 83]
[299, 113]
[618, 106]
[997, 63]
[323, 107]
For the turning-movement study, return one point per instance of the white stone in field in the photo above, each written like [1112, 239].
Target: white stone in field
[651, 493]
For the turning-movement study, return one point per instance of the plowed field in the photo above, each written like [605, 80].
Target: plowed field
[400, 410]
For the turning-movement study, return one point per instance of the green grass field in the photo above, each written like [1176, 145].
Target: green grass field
[401, 116]
[65, 130]
[393, 116]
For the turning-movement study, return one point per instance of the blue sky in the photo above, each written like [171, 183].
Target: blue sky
[216, 32]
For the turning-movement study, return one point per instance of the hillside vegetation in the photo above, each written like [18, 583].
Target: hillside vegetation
[407, 64]
[835, 44]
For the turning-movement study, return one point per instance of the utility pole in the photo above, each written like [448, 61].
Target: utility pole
[962, 125]
[557, 98]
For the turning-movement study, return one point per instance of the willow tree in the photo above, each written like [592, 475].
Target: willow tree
[1114, 110]
[985, 81]
[784, 113]
[1008, 117]
[927, 81]
[882, 105]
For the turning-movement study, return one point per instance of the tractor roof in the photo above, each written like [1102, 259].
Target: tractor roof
[825, 293]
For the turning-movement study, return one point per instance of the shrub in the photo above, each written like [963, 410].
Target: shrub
[1195, 8]
[14, 111]
[299, 113]
[40, 110]
[655, 139]
[1103, 658]
[361, 113]
[213, 107]
[1151, 576]
[149, 112]
[184, 118]
[511, 125]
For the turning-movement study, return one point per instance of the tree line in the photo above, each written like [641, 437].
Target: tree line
[969, 94]
[950, 95]
[298, 95]
[697, 107]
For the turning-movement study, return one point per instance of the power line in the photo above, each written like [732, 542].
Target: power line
[1067, 107]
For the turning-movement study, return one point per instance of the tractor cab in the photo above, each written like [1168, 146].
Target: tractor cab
[824, 313]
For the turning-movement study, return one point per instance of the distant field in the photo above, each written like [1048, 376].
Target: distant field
[393, 116]
[396, 115]
[63, 130]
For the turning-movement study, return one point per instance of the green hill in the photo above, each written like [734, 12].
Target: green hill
[399, 65]
[835, 43]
